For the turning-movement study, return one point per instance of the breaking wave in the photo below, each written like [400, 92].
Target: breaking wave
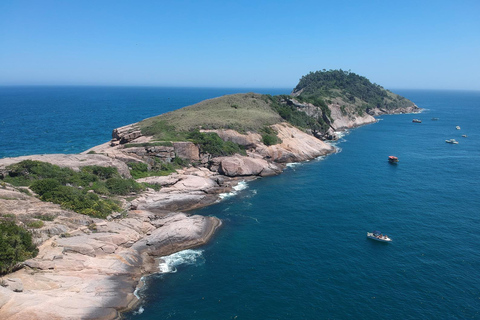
[169, 264]
[242, 185]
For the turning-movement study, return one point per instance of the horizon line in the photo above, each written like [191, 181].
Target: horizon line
[200, 87]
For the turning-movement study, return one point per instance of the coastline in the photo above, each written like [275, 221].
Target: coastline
[120, 251]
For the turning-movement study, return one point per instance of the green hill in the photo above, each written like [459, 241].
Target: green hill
[241, 112]
[348, 89]
[353, 94]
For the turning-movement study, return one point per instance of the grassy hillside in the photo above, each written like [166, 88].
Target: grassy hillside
[241, 112]
[347, 89]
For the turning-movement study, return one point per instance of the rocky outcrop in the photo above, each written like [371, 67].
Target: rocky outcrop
[237, 165]
[125, 134]
[91, 272]
[186, 150]
[408, 109]
[343, 120]
[296, 146]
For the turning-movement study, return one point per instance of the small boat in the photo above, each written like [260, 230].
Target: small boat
[452, 141]
[417, 120]
[457, 127]
[392, 159]
[464, 135]
[435, 119]
[377, 235]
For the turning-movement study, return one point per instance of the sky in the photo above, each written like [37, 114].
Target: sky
[259, 43]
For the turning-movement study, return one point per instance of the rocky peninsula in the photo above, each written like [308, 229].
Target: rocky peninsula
[89, 267]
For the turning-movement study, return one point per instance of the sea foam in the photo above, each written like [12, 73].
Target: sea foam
[169, 264]
[242, 185]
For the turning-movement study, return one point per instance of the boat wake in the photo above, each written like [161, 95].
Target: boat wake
[169, 264]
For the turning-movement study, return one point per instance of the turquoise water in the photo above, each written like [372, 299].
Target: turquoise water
[294, 246]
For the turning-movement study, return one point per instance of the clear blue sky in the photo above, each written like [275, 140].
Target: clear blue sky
[397, 44]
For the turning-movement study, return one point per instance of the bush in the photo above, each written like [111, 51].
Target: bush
[138, 170]
[269, 139]
[35, 224]
[122, 186]
[16, 246]
[210, 142]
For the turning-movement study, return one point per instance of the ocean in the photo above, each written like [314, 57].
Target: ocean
[294, 246]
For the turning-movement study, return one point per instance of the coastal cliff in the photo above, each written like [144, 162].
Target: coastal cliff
[89, 264]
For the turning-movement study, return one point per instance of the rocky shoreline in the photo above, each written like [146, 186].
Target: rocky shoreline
[89, 268]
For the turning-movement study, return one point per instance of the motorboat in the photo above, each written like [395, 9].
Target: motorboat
[452, 141]
[464, 135]
[457, 127]
[392, 159]
[434, 119]
[417, 120]
[377, 235]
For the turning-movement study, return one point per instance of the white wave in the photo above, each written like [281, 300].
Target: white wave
[135, 293]
[139, 311]
[293, 164]
[169, 264]
[242, 185]
[341, 134]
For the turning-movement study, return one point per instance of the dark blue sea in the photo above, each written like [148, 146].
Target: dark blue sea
[294, 246]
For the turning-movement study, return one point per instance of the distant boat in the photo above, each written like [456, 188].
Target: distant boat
[452, 141]
[392, 159]
[464, 135]
[458, 127]
[417, 120]
[434, 118]
[377, 235]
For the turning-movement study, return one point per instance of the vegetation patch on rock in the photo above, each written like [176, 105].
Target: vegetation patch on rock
[16, 246]
[77, 191]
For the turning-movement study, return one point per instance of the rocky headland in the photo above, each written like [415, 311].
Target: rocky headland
[89, 268]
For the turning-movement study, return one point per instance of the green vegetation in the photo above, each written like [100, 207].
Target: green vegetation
[15, 246]
[44, 217]
[241, 112]
[34, 224]
[352, 89]
[297, 118]
[159, 168]
[73, 190]
[269, 136]
[211, 143]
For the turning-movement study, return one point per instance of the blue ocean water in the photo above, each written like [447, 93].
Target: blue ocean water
[294, 246]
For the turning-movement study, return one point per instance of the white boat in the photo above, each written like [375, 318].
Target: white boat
[452, 141]
[377, 235]
[458, 127]
[464, 135]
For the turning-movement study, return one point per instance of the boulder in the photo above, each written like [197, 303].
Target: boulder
[238, 165]
[186, 150]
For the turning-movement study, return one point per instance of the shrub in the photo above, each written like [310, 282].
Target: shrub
[122, 186]
[35, 224]
[101, 172]
[45, 217]
[138, 170]
[210, 142]
[16, 246]
[269, 139]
